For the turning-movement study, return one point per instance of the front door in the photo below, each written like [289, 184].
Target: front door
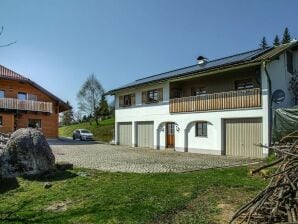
[170, 136]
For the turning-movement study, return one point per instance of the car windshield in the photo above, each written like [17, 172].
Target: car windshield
[85, 131]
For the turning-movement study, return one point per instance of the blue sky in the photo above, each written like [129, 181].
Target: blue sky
[59, 43]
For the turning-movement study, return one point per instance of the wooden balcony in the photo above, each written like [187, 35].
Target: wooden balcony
[26, 105]
[249, 98]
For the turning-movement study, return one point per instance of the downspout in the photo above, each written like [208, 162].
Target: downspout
[269, 103]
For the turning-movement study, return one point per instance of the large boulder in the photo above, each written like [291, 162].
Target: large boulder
[26, 153]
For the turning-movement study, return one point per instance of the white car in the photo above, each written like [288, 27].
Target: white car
[82, 134]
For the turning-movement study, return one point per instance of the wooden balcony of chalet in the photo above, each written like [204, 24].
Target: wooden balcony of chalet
[238, 99]
[26, 105]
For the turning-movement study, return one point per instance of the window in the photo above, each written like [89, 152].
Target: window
[22, 96]
[127, 100]
[32, 97]
[1, 94]
[200, 91]
[1, 121]
[176, 93]
[290, 62]
[244, 84]
[152, 96]
[34, 123]
[201, 129]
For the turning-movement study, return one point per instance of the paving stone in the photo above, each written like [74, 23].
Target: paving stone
[137, 160]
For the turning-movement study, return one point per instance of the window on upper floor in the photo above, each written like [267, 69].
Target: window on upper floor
[244, 84]
[201, 129]
[290, 67]
[199, 91]
[176, 93]
[22, 96]
[127, 100]
[152, 96]
[32, 97]
[34, 123]
[2, 94]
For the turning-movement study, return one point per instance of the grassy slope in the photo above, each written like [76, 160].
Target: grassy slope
[127, 198]
[102, 132]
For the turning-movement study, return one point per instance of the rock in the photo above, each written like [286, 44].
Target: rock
[64, 166]
[26, 153]
[47, 185]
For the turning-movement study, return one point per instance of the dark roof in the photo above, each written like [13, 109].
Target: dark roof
[6, 73]
[246, 57]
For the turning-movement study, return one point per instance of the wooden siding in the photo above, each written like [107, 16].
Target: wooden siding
[249, 98]
[28, 105]
[36, 109]
[7, 123]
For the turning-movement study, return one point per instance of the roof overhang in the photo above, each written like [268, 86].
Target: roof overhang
[195, 74]
[62, 105]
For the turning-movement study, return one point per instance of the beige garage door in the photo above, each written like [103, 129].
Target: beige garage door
[241, 135]
[125, 133]
[145, 134]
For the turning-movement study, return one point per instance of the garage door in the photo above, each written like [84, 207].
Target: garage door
[125, 133]
[241, 135]
[145, 134]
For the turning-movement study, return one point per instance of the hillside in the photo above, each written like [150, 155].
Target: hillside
[102, 132]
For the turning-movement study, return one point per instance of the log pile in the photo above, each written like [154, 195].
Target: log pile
[278, 202]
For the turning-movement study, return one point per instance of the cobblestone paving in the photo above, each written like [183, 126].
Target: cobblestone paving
[125, 159]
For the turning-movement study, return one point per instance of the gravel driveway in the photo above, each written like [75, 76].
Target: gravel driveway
[126, 159]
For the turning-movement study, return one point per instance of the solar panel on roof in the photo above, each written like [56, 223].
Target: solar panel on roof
[246, 56]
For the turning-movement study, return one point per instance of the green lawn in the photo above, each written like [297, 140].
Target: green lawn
[101, 197]
[102, 132]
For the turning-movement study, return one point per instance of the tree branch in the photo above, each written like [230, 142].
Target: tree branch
[6, 45]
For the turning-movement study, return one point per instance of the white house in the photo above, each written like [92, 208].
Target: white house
[220, 107]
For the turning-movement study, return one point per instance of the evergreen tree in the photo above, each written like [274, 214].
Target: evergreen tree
[67, 116]
[263, 43]
[286, 36]
[103, 108]
[276, 41]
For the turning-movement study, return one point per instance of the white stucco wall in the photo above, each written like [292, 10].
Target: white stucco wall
[280, 79]
[185, 139]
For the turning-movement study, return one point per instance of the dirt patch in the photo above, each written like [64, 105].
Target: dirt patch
[225, 214]
[58, 206]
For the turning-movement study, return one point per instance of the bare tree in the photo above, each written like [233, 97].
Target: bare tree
[89, 96]
[5, 45]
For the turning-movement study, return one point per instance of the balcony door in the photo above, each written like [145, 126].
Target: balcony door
[170, 135]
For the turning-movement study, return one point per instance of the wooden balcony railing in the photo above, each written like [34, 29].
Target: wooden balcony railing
[28, 105]
[248, 98]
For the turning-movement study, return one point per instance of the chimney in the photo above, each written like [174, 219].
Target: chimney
[202, 60]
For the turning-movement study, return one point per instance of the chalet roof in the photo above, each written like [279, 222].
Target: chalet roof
[254, 56]
[6, 73]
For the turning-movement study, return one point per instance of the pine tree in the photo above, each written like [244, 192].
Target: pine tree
[276, 41]
[263, 43]
[67, 116]
[103, 108]
[286, 36]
